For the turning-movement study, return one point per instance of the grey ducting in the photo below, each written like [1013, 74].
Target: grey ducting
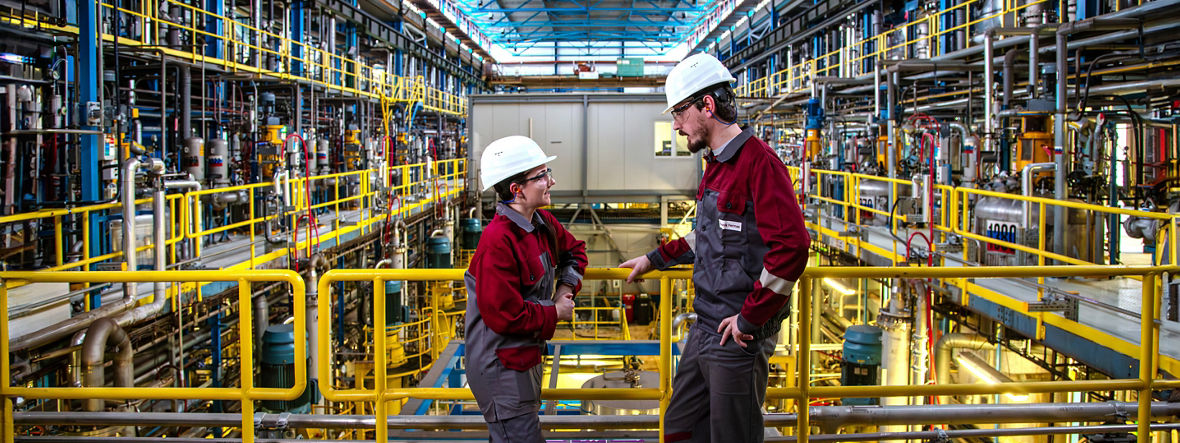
[102, 332]
[942, 355]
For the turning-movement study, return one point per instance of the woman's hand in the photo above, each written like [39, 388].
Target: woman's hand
[564, 303]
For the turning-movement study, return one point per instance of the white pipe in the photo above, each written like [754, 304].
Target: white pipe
[1026, 176]
[127, 176]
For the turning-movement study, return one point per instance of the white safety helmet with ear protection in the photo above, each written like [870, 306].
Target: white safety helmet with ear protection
[692, 75]
[509, 156]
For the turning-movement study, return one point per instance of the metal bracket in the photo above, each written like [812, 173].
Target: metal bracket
[855, 231]
[1056, 302]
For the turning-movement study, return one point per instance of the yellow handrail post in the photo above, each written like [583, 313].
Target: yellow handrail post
[804, 358]
[1149, 332]
[379, 362]
[57, 241]
[246, 347]
[8, 425]
[665, 349]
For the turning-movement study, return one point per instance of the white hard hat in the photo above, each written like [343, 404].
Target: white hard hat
[693, 74]
[509, 156]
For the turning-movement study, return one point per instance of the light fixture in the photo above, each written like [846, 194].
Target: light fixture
[983, 371]
[836, 286]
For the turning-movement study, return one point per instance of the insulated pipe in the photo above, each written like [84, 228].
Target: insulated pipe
[313, 280]
[186, 103]
[97, 336]
[942, 356]
[968, 178]
[261, 318]
[1059, 140]
[159, 237]
[681, 318]
[989, 93]
[127, 177]
[1034, 43]
[1009, 67]
[1026, 185]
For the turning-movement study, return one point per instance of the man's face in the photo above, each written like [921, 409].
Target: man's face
[690, 121]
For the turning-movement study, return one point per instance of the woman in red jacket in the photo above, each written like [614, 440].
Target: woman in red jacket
[513, 305]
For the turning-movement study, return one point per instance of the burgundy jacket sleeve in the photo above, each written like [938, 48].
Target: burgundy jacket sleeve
[497, 289]
[572, 261]
[673, 253]
[780, 223]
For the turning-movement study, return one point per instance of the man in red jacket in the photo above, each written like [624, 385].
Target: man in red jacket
[749, 247]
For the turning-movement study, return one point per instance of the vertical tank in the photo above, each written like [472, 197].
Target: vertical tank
[194, 157]
[218, 163]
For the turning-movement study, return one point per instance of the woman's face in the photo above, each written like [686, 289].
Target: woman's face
[534, 192]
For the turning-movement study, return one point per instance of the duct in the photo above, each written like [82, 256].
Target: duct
[97, 336]
[680, 320]
[1026, 176]
[942, 356]
[1009, 79]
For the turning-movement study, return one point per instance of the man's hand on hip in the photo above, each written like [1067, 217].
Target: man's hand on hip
[729, 329]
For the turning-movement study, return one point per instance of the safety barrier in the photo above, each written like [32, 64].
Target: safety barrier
[952, 215]
[1148, 353]
[382, 395]
[247, 393]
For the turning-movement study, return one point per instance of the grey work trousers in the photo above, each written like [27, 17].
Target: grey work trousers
[718, 390]
[524, 428]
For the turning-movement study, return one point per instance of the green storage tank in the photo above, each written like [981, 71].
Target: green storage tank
[472, 229]
[438, 253]
[393, 302]
[277, 369]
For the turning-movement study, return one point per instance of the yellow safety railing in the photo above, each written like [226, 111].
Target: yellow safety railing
[382, 395]
[448, 179]
[850, 60]
[1147, 351]
[952, 215]
[246, 393]
[88, 215]
[239, 53]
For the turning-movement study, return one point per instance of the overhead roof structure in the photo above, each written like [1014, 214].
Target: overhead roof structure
[587, 27]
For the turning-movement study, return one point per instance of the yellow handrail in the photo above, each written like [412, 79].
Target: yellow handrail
[247, 393]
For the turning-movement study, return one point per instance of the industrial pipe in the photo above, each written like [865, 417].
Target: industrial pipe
[681, 318]
[989, 93]
[942, 356]
[97, 336]
[313, 279]
[822, 416]
[1026, 185]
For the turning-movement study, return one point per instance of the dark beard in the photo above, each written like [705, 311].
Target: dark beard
[697, 146]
